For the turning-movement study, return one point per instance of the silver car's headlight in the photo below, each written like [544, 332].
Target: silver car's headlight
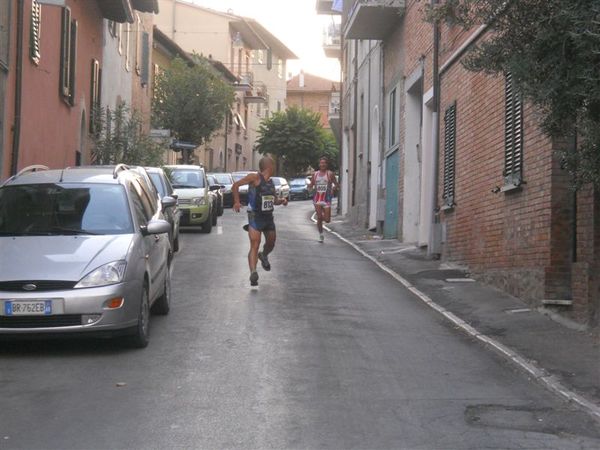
[111, 273]
[199, 201]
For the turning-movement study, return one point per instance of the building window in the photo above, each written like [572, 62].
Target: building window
[68, 56]
[95, 84]
[112, 28]
[35, 32]
[449, 156]
[513, 134]
[280, 68]
[278, 106]
[269, 59]
[127, 42]
[260, 56]
[145, 69]
[393, 118]
[138, 45]
[119, 33]
[4, 32]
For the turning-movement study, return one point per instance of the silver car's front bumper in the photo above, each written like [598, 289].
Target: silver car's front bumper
[75, 311]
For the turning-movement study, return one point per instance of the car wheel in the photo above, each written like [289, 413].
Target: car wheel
[176, 244]
[221, 209]
[208, 224]
[162, 306]
[215, 217]
[142, 332]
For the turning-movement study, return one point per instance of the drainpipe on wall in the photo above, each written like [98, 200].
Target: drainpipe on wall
[14, 164]
[341, 112]
[433, 247]
[226, 140]
[355, 125]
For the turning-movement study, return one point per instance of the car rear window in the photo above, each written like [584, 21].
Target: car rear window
[64, 209]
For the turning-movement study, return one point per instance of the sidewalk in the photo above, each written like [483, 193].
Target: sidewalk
[564, 356]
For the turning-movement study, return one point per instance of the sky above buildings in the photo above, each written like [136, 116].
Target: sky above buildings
[295, 23]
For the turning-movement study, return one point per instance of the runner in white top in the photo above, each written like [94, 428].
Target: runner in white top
[325, 182]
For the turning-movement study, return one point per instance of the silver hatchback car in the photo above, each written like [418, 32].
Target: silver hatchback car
[83, 251]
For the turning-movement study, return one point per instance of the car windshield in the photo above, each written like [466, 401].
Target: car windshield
[187, 179]
[298, 182]
[223, 178]
[158, 184]
[276, 181]
[64, 209]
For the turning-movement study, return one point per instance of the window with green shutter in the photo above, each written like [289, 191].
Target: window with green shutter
[449, 156]
[35, 50]
[68, 57]
[145, 69]
[513, 134]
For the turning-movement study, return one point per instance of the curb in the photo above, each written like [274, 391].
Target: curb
[537, 373]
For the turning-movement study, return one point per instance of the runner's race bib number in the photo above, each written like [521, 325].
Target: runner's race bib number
[322, 188]
[268, 202]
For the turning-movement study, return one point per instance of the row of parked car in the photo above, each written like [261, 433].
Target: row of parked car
[88, 250]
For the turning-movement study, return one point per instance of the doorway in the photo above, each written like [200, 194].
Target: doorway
[392, 170]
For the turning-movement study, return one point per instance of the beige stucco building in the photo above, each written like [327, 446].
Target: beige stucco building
[250, 52]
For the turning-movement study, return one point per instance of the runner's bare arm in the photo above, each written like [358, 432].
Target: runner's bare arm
[311, 185]
[251, 178]
[336, 185]
[281, 201]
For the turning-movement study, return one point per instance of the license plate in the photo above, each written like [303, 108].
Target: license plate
[30, 308]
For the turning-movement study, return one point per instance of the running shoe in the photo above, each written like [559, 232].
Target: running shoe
[264, 260]
[321, 238]
[254, 279]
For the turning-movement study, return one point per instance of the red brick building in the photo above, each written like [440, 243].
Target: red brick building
[477, 182]
[50, 79]
[315, 94]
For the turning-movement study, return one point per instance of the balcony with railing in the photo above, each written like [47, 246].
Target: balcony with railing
[325, 7]
[332, 40]
[335, 115]
[373, 19]
[258, 94]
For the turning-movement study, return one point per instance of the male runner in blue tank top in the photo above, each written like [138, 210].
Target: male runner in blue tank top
[262, 199]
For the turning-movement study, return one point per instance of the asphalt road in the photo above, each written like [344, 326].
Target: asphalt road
[328, 352]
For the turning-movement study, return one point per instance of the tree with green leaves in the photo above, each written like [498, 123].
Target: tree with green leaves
[552, 50]
[119, 138]
[191, 100]
[297, 138]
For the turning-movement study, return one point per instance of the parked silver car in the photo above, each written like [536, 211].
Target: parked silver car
[83, 251]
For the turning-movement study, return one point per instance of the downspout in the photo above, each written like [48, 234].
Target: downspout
[341, 132]
[433, 244]
[355, 133]
[226, 140]
[18, 89]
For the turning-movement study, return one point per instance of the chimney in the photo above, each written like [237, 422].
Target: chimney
[301, 79]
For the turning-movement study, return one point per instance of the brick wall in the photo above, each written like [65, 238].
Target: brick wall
[313, 101]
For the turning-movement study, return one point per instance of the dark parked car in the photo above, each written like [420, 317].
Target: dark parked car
[218, 193]
[299, 189]
[172, 215]
[225, 179]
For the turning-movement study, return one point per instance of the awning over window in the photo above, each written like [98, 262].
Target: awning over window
[116, 10]
[150, 6]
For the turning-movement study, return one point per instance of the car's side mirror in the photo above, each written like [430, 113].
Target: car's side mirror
[157, 226]
[216, 187]
[174, 195]
[168, 202]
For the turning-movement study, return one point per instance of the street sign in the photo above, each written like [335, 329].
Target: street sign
[160, 133]
[52, 2]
